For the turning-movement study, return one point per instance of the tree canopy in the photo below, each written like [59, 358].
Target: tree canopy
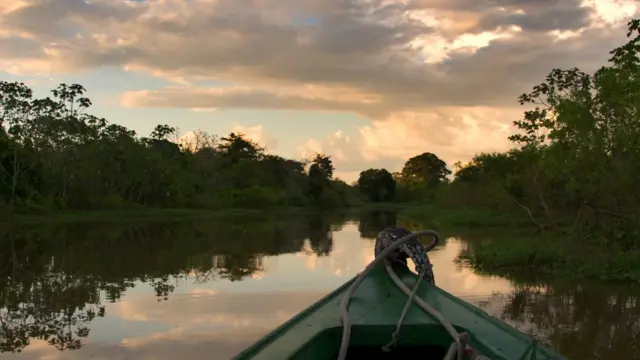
[425, 168]
[377, 185]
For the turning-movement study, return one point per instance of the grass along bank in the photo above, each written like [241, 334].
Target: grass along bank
[461, 216]
[510, 245]
[546, 256]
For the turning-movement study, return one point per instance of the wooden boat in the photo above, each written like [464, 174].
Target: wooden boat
[373, 312]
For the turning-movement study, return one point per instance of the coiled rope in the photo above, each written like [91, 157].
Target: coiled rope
[459, 346]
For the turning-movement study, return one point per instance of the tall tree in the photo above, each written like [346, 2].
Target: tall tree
[377, 185]
[426, 168]
[320, 175]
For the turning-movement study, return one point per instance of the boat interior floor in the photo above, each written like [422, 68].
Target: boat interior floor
[400, 352]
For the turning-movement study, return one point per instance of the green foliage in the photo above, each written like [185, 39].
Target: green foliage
[320, 186]
[550, 256]
[377, 185]
[54, 156]
[426, 168]
[420, 178]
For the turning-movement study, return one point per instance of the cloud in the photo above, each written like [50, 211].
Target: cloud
[339, 146]
[306, 97]
[488, 69]
[257, 134]
[454, 134]
[201, 110]
[374, 47]
[427, 73]
[529, 15]
[347, 154]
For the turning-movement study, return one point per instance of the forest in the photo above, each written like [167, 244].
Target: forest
[574, 166]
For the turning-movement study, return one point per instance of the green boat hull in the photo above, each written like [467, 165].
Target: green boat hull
[315, 333]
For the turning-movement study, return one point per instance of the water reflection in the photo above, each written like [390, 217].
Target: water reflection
[583, 321]
[207, 289]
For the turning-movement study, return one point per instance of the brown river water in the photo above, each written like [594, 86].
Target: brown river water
[206, 289]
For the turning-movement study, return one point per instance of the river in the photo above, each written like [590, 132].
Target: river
[207, 289]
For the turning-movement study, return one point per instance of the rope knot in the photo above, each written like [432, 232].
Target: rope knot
[410, 249]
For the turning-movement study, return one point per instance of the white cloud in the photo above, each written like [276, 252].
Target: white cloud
[257, 134]
[454, 134]
[339, 145]
[613, 11]
[347, 154]
[201, 110]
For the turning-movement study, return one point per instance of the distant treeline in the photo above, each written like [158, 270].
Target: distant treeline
[55, 155]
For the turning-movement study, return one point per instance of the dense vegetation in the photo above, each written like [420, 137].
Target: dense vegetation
[55, 155]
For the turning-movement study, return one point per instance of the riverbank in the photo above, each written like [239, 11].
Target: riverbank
[134, 214]
[498, 244]
[426, 215]
[430, 215]
[167, 214]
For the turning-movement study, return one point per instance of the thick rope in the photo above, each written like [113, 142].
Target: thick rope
[459, 347]
[344, 304]
[456, 346]
[412, 249]
[405, 311]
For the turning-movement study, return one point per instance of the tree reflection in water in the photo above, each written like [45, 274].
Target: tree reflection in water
[590, 321]
[54, 279]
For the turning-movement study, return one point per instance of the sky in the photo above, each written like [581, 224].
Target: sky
[369, 82]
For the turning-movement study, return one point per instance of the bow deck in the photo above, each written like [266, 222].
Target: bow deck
[315, 333]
